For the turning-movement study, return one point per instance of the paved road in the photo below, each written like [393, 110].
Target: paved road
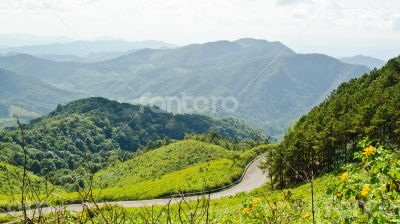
[253, 178]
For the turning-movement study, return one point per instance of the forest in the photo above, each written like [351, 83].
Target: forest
[327, 137]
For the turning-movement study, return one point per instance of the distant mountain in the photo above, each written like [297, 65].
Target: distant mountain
[370, 62]
[14, 40]
[90, 58]
[37, 68]
[290, 85]
[83, 48]
[29, 97]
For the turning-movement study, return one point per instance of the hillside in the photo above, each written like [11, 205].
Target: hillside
[45, 70]
[11, 182]
[329, 134]
[159, 162]
[102, 132]
[293, 84]
[185, 166]
[28, 97]
[370, 62]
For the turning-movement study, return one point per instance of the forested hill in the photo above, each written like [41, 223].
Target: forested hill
[102, 131]
[365, 107]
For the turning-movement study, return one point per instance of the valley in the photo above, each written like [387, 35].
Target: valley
[294, 83]
[100, 160]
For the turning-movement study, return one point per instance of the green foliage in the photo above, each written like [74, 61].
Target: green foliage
[196, 178]
[370, 191]
[229, 143]
[101, 132]
[327, 137]
[11, 184]
[161, 161]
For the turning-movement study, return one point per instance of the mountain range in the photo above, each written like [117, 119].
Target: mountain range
[84, 51]
[273, 84]
[368, 61]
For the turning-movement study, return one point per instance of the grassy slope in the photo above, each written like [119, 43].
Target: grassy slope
[159, 162]
[184, 166]
[11, 183]
[207, 175]
[220, 209]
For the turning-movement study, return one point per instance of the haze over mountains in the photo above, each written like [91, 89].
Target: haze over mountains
[29, 97]
[368, 61]
[85, 51]
[290, 86]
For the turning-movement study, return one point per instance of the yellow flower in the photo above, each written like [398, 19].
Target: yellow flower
[306, 215]
[369, 151]
[247, 210]
[365, 191]
[237, 214]
[344, 176]
[255, 202]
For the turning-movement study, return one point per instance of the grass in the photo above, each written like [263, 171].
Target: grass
[11, 184]
[203, 176]
[229, 207]
[181, 167]
[156, 163]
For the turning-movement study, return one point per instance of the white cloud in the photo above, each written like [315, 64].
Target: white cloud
[287, 2]
[396, 24]
[186, 21]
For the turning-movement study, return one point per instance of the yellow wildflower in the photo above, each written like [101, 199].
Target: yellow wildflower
[369, 151]
[344, 176]
[247, 210]
[255, 202]
[365, 191]
[306, 215]
[237, 214]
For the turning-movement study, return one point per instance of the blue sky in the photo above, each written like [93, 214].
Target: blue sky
[338, 28]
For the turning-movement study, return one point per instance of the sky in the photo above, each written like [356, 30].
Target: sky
[337, 28]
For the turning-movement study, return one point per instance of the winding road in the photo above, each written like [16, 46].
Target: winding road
[254, 177]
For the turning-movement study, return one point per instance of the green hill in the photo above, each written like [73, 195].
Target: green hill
[161, 161]
[11, 183]
[181, 167]
[329, 134]
[196, 178]
[101, 132]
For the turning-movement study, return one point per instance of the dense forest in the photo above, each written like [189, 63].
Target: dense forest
[327, 137]
[102, 131]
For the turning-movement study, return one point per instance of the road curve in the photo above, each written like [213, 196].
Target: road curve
[253, 178]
